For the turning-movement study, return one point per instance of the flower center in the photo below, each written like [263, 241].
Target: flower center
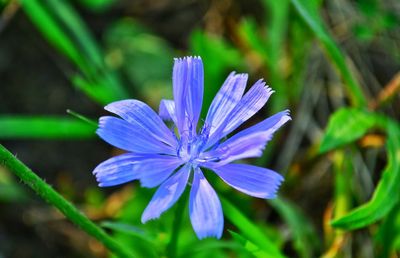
[191, 146]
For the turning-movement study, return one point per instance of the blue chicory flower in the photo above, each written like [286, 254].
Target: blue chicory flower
[158, 157]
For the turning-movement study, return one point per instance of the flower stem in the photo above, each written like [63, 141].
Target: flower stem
[173, 242]
[45, 191]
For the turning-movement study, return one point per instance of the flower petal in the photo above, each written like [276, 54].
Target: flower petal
[167, 194]
[130, 137]
[167, 110]
[248, 143]
[194, 99]
[158, 169]
[252, 180]
[226, 99]
[180, 88]
[205, 208]
[142, 116]
[130, 166]
[269, 125]
[117, 170]
[250, 104]
[247, 146]
[188, 82]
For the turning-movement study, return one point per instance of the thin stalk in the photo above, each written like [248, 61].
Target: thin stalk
[51, 196]
[176, 225]
[82, 117]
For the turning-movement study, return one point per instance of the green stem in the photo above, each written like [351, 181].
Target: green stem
[54, 198]
[173, 243]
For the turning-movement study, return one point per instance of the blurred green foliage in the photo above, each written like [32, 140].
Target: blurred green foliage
[62, 27]
[98, 5]
[141, 56]
[219, 59]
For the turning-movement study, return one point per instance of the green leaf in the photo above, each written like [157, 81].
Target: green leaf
[248, 245]
[343, 169]
[34, 127]
[128, 229]
[386, 194]
[305, 238]
[310, 15]
[250, 230]
[345, 126]
[388, 235]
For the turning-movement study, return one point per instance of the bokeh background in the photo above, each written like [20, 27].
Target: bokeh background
[335, 64]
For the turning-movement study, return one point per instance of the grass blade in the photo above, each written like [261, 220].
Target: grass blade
[304, 236]
[51, 30]
[248, 245]
[249, 230]
[35, 127]
[311, 17]
[62, 27]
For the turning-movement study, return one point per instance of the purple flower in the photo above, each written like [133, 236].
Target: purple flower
[159, 157]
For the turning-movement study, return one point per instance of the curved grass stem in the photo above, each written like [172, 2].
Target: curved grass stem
[51, 196]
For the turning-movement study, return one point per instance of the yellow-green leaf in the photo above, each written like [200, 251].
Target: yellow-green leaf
[345, 126]
[386, 194]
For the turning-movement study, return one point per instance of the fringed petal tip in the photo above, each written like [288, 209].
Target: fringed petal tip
[287, 113]
[274, 193]
[238, 75]
[263, 83]
[268, 89]
[108, 181]
[102, 121]
[114, 107]
[285, 117]
[186, 58]
[144, 219]
[103, 184]
[102, 124]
